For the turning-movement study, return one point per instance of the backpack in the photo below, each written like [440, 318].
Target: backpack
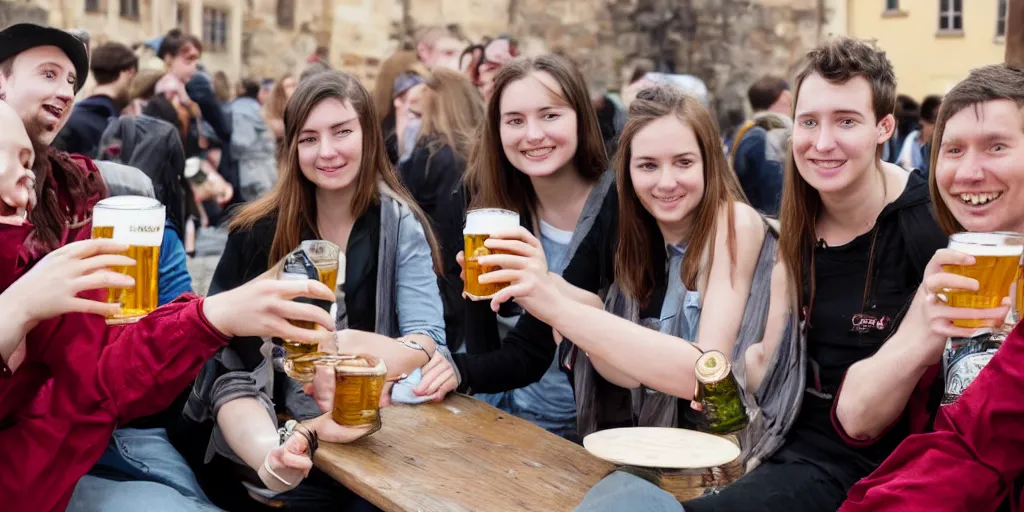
[153, 146]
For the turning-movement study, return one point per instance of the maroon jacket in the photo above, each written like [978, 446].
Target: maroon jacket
[81, 379]
[972, 458]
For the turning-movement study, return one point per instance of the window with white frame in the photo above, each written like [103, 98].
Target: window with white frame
[951, 15]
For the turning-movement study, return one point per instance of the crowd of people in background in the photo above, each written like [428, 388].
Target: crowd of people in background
[805, 243]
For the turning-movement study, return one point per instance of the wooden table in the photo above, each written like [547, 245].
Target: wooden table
[462, 455]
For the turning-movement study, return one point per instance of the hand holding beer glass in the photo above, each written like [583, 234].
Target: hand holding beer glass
[480, 225]
[976, 292]
[137, 222]
[317, 260]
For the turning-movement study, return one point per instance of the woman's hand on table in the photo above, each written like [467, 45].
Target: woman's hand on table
[438, 379]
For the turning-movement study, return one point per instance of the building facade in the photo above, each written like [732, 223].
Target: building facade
[933, 44]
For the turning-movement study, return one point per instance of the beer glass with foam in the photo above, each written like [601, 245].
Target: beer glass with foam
[358, 382]
[318, 260]
[138, 222]
[997, 259]
[480, 224]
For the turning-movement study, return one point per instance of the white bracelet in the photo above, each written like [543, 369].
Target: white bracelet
[266, 466]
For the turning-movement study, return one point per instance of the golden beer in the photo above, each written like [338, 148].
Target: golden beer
[138, 222]
[997, 259]
[321, 259]
[479, 226]
[358, 382]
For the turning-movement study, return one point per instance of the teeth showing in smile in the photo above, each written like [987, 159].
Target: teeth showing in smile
[539, 152]
[829, 164]
[668, 199]
[53, 110]
[979, 199]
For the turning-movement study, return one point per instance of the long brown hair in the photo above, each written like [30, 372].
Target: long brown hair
[837, 61]
[384, 89]
[293, 198]
[988, 83]
[452, 109]
[277, 101]
[639, 237]
[493, 181]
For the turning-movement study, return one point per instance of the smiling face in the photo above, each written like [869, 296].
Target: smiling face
[41, 89]
[835, 136]
[980, 172]
[667, 172]
[538, 127]
[330, 145]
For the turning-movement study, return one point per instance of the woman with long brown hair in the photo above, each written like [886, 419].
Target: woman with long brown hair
[450, 111]
[335, 184]
[539, 153]
[273, 110]
[686, 253]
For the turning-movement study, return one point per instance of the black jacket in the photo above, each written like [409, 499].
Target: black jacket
[81, 134]
[493, 365]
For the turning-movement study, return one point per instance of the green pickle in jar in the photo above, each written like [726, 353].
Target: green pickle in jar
[719, 394]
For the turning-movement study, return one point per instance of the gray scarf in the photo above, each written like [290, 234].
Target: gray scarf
[773, 407]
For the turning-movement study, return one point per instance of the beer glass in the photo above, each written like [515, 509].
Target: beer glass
[997, 259]
[319, 260]
[138, 222]
[480, 224]
[358, 382]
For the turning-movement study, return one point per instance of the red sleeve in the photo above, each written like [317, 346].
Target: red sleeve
[146, 365]
[971, 459]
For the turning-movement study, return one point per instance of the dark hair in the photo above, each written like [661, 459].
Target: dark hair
[989, 83]
[109, 60]
[837, 61]
[251, 88]
[7, 67]
[930, 108]
[765, 92]
[493, 181]
[175, 41]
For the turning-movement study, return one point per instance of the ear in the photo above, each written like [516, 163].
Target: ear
[422, 49]
[886, 127]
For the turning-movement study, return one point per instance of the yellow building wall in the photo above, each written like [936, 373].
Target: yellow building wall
[926, 61]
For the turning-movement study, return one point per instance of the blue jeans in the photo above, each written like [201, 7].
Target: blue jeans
[140, 470]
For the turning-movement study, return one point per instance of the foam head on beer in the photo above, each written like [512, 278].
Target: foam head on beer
[137, 222]
[997, 257]
[480, 225]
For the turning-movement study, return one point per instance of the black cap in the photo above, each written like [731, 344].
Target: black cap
[23, 36]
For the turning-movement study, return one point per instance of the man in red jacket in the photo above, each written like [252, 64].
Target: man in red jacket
[74, 379]
[973, 459]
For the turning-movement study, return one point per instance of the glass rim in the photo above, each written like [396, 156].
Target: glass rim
[987, 238]
[129, 203]
[500, 211]
[339, 362]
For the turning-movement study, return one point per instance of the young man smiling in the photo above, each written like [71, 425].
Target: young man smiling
[974, 458]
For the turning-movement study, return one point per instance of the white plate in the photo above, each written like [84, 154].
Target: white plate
[654, 447]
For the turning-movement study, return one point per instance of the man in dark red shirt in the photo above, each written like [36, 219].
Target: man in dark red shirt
[71, 379]
[974, 457]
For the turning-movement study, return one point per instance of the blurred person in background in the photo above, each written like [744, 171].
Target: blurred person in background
[252, 143]
[917, 146]
[404, 71]
[273, 107]
[440, 47]
[481, 62]
[113, 67]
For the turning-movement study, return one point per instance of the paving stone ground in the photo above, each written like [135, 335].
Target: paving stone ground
[209, 246]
